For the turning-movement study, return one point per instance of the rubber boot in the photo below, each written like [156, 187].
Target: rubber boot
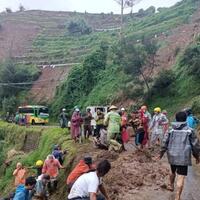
[180, 185]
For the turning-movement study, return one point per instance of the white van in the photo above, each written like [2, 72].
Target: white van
[93, 110]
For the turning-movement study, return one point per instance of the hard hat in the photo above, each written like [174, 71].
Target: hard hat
[63, 109]
[39, 163]
[113, 107]
[122, 109]
[157, 109]
[77, 110]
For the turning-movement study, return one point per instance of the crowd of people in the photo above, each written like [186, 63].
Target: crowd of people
[85, 181]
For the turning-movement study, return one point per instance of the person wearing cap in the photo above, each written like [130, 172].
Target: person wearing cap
[113, 122]
[76, 122]
[86, 187]
[124, 118]
[156, 126]
[63, 118]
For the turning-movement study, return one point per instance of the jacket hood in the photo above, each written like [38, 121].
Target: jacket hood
[178, 125]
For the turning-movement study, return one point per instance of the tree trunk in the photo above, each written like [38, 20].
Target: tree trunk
[122, 16]
[145, 81]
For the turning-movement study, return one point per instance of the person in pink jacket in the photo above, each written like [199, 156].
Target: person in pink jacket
[76, 121]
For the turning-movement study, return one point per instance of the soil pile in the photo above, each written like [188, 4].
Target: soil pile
[133, 173]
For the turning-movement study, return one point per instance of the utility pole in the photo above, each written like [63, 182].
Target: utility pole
[125, 4]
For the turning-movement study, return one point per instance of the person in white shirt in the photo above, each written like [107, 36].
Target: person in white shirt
[86, 186]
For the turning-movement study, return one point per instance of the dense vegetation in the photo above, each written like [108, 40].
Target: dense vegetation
[126, 61]
[14, 80]
[12, 143]
[179, 87]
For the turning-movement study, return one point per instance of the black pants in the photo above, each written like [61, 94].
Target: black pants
[180, 170]
[98, 128]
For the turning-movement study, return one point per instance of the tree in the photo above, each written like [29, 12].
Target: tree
[125, 4]
[8, 10]
[78, 27]
[21, 8]
[135, 58]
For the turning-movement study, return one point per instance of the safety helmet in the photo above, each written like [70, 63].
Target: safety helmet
[39, 163]
[157, 109]
[122, 109]
[77, 110]
[63, 109]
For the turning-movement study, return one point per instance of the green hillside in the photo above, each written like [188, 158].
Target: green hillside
[111, 80]
[98, 76]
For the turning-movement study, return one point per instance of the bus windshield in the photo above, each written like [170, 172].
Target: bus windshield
[43, 110]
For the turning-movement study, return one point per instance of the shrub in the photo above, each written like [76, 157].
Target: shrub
[191, 59]
[8, 10]
[79, 28]
[162, 83]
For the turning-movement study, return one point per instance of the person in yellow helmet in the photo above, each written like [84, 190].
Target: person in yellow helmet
[156, 126]
[38, 166]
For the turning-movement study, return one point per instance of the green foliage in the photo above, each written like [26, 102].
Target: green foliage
[81, 80]
[162, 83]
[78, 27]
[14, 137]
[11, 74]
[191, 60]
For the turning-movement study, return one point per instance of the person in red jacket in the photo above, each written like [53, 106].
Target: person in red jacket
[85, 165]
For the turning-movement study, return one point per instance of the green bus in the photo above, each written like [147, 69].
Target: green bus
[32, 114]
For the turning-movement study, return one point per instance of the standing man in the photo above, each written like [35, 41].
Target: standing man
[87, 123]
[86, 186]
[113, 121]
[180, 143]
[156, 126]
[99, 122]
[63, 118]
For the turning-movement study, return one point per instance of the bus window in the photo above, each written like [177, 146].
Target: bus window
[26, 111]
[43, 111]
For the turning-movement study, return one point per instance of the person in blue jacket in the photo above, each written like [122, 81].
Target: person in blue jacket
[23, 191]
[192, 121]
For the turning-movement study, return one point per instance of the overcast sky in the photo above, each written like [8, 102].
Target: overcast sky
[92, 6]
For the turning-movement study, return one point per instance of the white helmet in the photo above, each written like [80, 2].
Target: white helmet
[77, 110]
[122, 109]
[63, 109]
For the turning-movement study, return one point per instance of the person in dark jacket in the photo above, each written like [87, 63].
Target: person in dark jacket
[23, 191]
[180, 143]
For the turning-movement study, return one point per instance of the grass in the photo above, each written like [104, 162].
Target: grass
[14, 137]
